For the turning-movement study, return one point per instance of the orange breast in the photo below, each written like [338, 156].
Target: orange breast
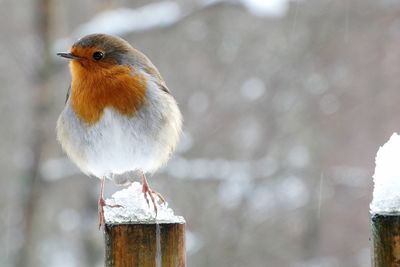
[94, 89]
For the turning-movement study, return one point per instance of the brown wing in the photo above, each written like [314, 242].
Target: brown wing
[145, 64]
[159, 80]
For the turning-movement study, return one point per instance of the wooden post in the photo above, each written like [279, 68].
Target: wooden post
[386, 240]
[145, 245]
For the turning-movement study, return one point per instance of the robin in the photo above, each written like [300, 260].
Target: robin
[119, 115]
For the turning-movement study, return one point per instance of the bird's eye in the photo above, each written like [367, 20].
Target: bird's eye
[98, 55]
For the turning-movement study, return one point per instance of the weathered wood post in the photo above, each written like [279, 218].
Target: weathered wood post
[385, 240]
[136, 237]
[145, 245]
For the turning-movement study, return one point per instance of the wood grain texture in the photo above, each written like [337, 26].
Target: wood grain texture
[134, 245]
[173, 245]
[386, 240]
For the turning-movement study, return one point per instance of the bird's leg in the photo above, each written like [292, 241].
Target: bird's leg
[102, 203]
[147, 191]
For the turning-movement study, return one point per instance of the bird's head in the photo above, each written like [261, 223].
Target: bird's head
[106, 72]
[97, 52]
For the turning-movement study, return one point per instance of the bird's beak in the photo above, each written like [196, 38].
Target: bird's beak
[67, 55]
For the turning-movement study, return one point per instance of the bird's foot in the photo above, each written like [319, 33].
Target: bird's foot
[102, 220]
[102, 204]
[148, 192]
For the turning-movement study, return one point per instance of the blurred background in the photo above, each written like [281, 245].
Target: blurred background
[285, 105]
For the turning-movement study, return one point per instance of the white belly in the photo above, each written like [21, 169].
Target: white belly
[118, 144]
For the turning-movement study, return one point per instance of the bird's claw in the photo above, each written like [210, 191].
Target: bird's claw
[102, 220]
[102, 204]
[147, 192]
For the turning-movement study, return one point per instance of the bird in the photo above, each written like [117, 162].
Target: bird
[119, 115]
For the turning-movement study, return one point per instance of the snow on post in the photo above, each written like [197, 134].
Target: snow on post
[134, 236]
[385, 205]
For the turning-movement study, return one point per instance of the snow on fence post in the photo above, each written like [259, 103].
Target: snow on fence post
[134, 238]
[385, 206]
